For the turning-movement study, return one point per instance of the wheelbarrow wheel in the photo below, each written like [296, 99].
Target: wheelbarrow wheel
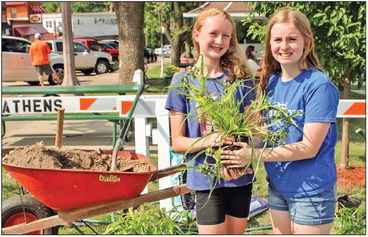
[23, 209]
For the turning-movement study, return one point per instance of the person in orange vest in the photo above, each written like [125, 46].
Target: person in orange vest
[39, 52]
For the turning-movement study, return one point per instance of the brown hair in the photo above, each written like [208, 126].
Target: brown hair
[248, 52]
[309, 57]
[233, 61]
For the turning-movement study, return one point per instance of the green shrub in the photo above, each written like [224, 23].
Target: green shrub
[146, 219]
[170, 69]
[350, 221]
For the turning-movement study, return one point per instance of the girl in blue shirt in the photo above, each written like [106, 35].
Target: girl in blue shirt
[225, 211]
[302, 172]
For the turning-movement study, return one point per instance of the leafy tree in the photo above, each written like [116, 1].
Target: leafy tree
[339, 31]
[78, 6]
[51, 6]
[91, 6]
[340, 38]
[169, 17]
[155, 16]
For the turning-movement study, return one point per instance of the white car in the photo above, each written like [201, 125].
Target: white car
[17, 65]
[165, 51]
[86, 60]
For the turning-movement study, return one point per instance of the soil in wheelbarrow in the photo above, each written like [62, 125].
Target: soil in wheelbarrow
[40, 156]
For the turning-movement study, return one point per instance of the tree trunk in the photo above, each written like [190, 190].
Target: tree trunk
[344, 163]
[187, 49]
[176, 39]
[70, 79]
[130, 16]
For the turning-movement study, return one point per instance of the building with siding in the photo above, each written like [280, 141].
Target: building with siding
[23, 19]
[84, 25]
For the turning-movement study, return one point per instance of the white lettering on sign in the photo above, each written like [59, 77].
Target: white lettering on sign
[25, 105]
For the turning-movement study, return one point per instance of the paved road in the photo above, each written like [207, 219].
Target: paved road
[77, 134]
[111, 78]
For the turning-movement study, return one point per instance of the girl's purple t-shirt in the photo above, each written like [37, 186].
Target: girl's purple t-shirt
[178, 102]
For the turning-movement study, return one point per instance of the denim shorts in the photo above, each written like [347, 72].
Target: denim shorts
[314, 210]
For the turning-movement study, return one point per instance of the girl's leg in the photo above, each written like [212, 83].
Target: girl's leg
[281, 223]
[312, 229]
[231, 226]
[218, 229]
[235, 225]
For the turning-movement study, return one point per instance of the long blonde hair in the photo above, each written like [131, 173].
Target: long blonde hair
[233, 61]
[309, 57]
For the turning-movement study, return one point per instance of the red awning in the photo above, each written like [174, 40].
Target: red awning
[29, 30]
[14, 3]
[35, 8]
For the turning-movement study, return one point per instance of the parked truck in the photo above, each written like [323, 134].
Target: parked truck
[86, 60]
[97, 46]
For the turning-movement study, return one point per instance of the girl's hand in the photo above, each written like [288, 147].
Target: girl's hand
[231, 174]
[217, 139]
[237, 158]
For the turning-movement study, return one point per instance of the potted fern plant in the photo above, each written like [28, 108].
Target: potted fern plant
[224, 117]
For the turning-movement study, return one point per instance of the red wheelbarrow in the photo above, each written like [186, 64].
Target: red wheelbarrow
[66, 195]
[62, 189]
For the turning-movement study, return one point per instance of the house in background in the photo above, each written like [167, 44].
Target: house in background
[53, 24]
[23, 18]
[237, 10]
[5, 27]
[99, 25]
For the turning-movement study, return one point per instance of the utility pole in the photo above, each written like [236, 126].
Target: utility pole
[162, 46]
[70, 78]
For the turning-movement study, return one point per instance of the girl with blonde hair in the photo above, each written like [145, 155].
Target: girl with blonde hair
[225, 211]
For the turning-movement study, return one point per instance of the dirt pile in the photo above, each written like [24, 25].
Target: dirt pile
[40, 156]
[352, 176]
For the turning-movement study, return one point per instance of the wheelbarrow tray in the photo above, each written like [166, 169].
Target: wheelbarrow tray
[62, 189]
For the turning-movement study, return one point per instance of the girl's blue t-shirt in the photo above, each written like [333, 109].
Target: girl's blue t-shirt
[313, 94]
[178, 102]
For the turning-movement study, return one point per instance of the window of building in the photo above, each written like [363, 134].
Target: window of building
[13, 12]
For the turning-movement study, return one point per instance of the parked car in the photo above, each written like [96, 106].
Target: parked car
[165, 51]
[101, 47]
[17, 64]
[86, 60]
[112, 43]
[112, 49]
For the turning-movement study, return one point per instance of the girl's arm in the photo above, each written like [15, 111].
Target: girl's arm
[313, 137]
[181, 143]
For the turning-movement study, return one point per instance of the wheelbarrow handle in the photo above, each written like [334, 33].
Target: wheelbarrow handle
[167, 171]
[124, 130]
